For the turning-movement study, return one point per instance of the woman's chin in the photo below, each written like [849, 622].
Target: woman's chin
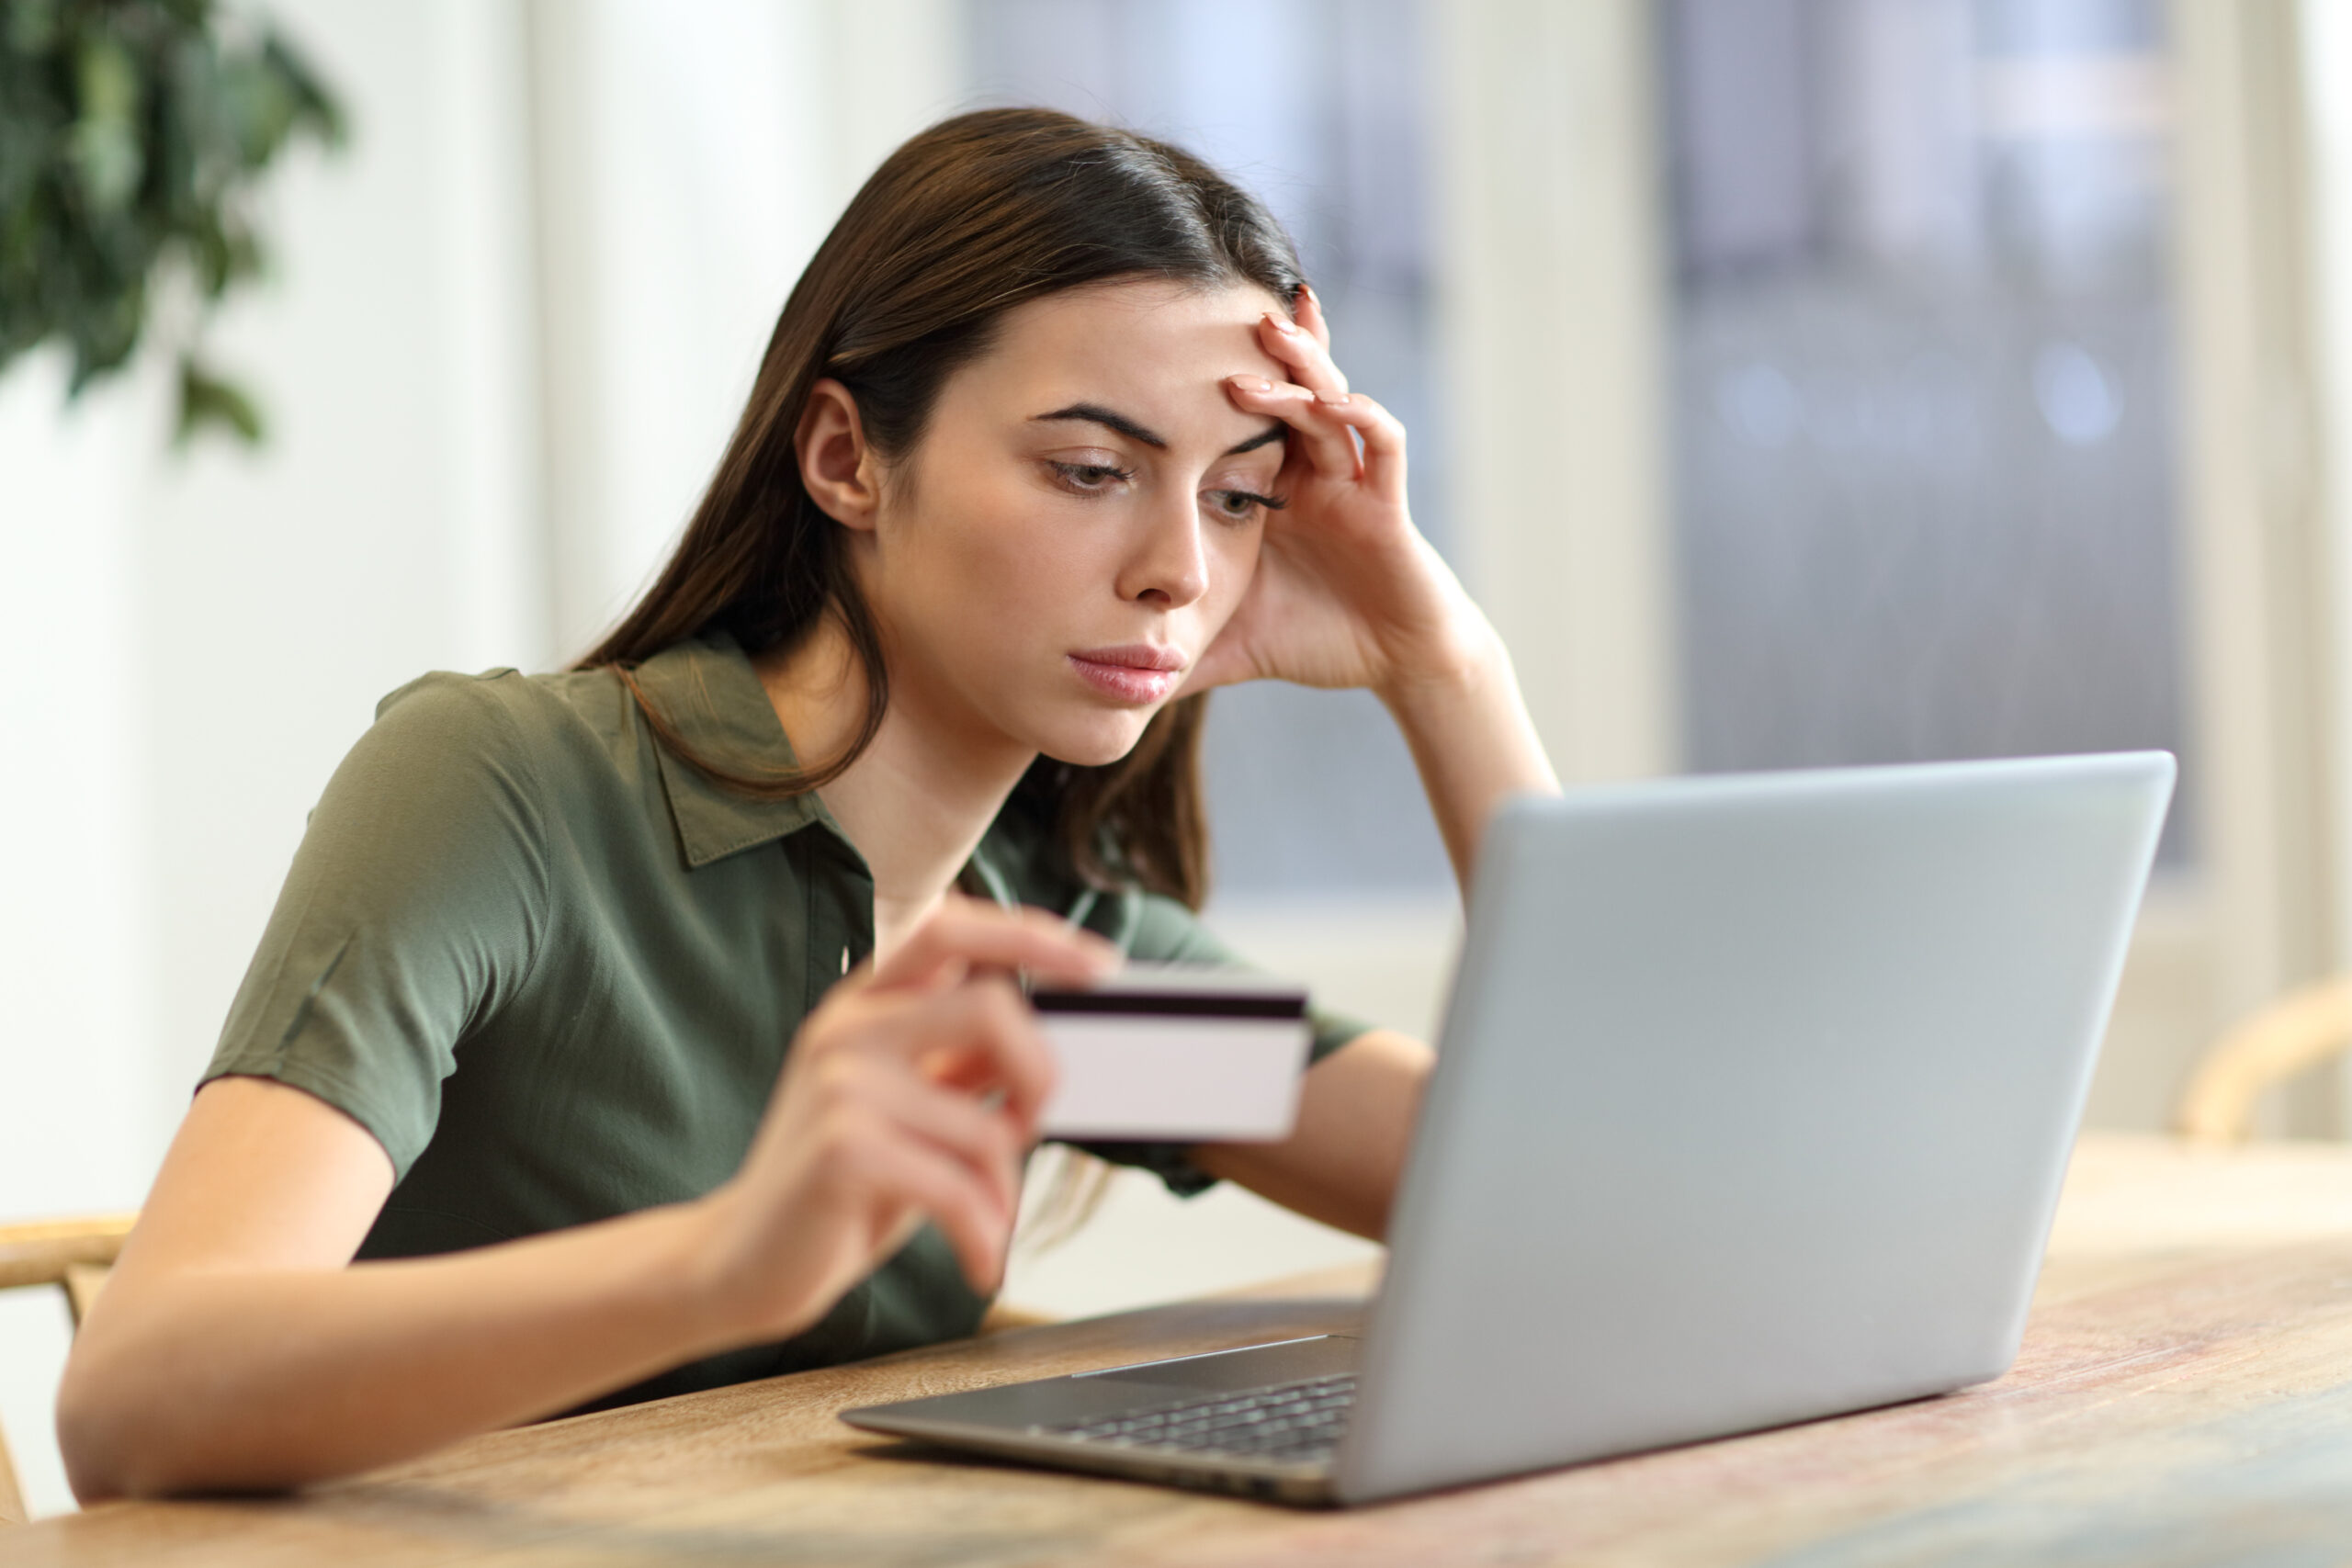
[1096, 744]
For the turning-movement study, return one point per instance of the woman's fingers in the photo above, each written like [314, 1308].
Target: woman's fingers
[1383, 440]
[984, 1140]
[903, 1169]
[1310, 362]
[1311, 317]
[908, 1055]
[977, 1037]
[1315, 399]
[1330, 450]
[886, 1144]
[964, 934]
[991, 1042]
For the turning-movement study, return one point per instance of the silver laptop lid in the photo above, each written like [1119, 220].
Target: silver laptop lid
[1754, 1097]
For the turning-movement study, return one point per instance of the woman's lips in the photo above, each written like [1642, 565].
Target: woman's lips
[1136, 674]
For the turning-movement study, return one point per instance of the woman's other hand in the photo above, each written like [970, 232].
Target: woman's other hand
[233, 1344]
[912, 1093]
[1347, 592]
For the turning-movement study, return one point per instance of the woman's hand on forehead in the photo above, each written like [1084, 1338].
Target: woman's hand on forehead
[1348, 593]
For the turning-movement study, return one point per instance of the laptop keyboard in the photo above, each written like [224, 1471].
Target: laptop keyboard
[1297, 1422]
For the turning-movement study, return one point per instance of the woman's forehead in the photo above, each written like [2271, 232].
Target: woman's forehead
[1165, 348]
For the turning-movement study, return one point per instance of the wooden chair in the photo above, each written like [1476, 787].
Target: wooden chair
[73, 1254]
[2298, 1032]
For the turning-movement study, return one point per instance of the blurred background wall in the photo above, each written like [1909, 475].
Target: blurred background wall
[1796, 382]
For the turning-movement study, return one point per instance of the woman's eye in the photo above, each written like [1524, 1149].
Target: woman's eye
[1089, 476]
[1242, 505]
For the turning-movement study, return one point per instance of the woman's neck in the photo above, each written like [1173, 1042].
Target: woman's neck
[917, 801]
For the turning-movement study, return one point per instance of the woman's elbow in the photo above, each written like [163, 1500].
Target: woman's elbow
[92, 1426]
[111, 1430]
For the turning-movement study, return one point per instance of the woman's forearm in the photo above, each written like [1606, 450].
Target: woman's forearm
[248, 1379]
[1474, 743]
[238, 1348]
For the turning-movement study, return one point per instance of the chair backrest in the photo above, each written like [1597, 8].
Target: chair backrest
[2294, 1034]
[73, 1254]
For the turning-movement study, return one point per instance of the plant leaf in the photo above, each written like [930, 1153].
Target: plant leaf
[32, 26]
[104, 142]
[314, 108]
[208, 401]
[132, 134]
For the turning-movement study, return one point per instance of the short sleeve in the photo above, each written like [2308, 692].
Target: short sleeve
[1152, 929]
[414, 908]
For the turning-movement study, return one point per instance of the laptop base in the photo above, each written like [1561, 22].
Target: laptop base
[1030, 1422]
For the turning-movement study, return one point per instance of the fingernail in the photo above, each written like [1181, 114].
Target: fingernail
[1280, 325]
[1337, 399]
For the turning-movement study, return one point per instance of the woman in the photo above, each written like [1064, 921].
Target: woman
[626, 1026]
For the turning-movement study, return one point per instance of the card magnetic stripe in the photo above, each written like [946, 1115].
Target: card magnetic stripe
[1167, 1004]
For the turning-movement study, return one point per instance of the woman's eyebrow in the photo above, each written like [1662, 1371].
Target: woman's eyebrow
[1273, 432]
[1095, 413]
[1111, 419]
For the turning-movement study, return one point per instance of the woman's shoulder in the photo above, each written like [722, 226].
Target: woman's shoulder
[545, 725]
[502, 705]
[534, 754]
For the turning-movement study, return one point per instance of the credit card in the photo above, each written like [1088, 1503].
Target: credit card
[1175, 1053]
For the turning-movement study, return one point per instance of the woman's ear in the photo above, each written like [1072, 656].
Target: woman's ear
[842, 472]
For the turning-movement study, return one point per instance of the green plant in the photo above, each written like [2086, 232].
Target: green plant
[132, 135]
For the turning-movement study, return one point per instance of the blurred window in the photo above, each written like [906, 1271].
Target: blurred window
[1923, 381]
[1318, 105]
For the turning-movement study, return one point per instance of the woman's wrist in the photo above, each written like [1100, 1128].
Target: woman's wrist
[1472, 742]
[720, 1304]
[1433, 680]
[1441, 649]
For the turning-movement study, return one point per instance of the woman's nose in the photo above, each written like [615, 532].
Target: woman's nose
[1170, 564]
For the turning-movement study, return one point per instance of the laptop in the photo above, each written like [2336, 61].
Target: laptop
[1752, 1102]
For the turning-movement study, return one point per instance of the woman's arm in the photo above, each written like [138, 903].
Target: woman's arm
[237, 1347]
[232, 1349]
[1348, 593]
[1472, 741]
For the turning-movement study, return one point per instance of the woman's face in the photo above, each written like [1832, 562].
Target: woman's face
[1079, 520]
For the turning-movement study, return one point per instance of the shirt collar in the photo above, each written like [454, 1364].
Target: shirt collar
[709, 692]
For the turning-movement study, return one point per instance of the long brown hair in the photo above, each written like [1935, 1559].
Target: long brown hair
[970, 218]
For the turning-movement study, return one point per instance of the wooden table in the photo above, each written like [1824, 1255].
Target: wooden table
[2184, 1395]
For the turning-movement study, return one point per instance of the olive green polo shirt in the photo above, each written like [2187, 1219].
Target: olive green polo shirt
[555, 970]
